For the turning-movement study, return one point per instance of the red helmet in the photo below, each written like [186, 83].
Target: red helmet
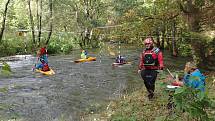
[148, 41]
[43, 51]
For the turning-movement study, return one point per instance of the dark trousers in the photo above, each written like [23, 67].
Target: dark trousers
[149, 77]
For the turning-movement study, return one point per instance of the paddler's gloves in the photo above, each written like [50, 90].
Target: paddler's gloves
[160, 68]
[159, 71]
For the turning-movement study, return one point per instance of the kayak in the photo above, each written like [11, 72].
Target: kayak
[118, 64]
[50, 72]
[85, 60]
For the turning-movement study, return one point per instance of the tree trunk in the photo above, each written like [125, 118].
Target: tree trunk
[82, 40]
[50, 21]
[31, 22]
[40, 22]
[163, 37]
[4, 20]
[65, 28]
[168, 41]
[88, 17]
[174, 48]
[157, 37]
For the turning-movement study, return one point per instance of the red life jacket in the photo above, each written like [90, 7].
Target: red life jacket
[45, 67]
[151, 57]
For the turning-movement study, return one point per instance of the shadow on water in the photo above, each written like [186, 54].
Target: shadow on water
[74, 89]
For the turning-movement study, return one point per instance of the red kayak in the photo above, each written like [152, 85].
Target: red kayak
[118, 64]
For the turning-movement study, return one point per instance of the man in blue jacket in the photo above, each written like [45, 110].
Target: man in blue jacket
[193, 77]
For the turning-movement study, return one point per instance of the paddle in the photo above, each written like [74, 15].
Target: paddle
[170, 73]
[33, 68]
[175, 81]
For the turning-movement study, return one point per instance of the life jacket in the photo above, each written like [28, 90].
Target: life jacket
[195, 80]
[43, 59]
[151, 57]
[45, 67]
[120, 59]
[83, 55]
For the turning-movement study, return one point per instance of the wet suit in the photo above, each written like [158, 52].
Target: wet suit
[149, 77]
[150, 60]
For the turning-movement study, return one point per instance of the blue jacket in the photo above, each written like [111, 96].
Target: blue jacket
[44, 59]
[195, 80]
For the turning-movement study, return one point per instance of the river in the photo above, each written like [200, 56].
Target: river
[74, 89]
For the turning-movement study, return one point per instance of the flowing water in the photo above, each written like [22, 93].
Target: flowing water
[74, 89]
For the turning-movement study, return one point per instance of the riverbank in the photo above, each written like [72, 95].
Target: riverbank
[136, 106]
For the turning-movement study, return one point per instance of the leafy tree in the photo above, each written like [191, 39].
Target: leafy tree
[198, 15]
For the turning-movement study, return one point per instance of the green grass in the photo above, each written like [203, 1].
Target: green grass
[136, 106]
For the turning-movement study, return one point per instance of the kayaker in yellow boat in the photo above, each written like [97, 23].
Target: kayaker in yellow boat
[84, 57]
[43, 58]
[83, 54]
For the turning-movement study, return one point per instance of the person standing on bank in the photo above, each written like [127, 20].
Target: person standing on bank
[151, 60]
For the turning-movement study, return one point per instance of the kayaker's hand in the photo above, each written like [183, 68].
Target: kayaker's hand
[139, 71]
[159, 71]
[33, 68]
[160, 68]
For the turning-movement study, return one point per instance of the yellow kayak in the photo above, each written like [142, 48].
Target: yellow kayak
[85, 60]
[50, 72]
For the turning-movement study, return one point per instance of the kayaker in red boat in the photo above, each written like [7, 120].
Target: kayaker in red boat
[120, 59]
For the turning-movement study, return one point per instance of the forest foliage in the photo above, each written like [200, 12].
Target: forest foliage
[184, 27]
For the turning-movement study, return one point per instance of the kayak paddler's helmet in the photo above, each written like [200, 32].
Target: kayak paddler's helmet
[84, 52]
[43, 51]
[189, 67]
[148, 42]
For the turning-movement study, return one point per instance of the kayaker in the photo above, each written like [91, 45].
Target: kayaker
[120, 59]
[83, 54]
[43, 58]
[151, 60]
[193, 77]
